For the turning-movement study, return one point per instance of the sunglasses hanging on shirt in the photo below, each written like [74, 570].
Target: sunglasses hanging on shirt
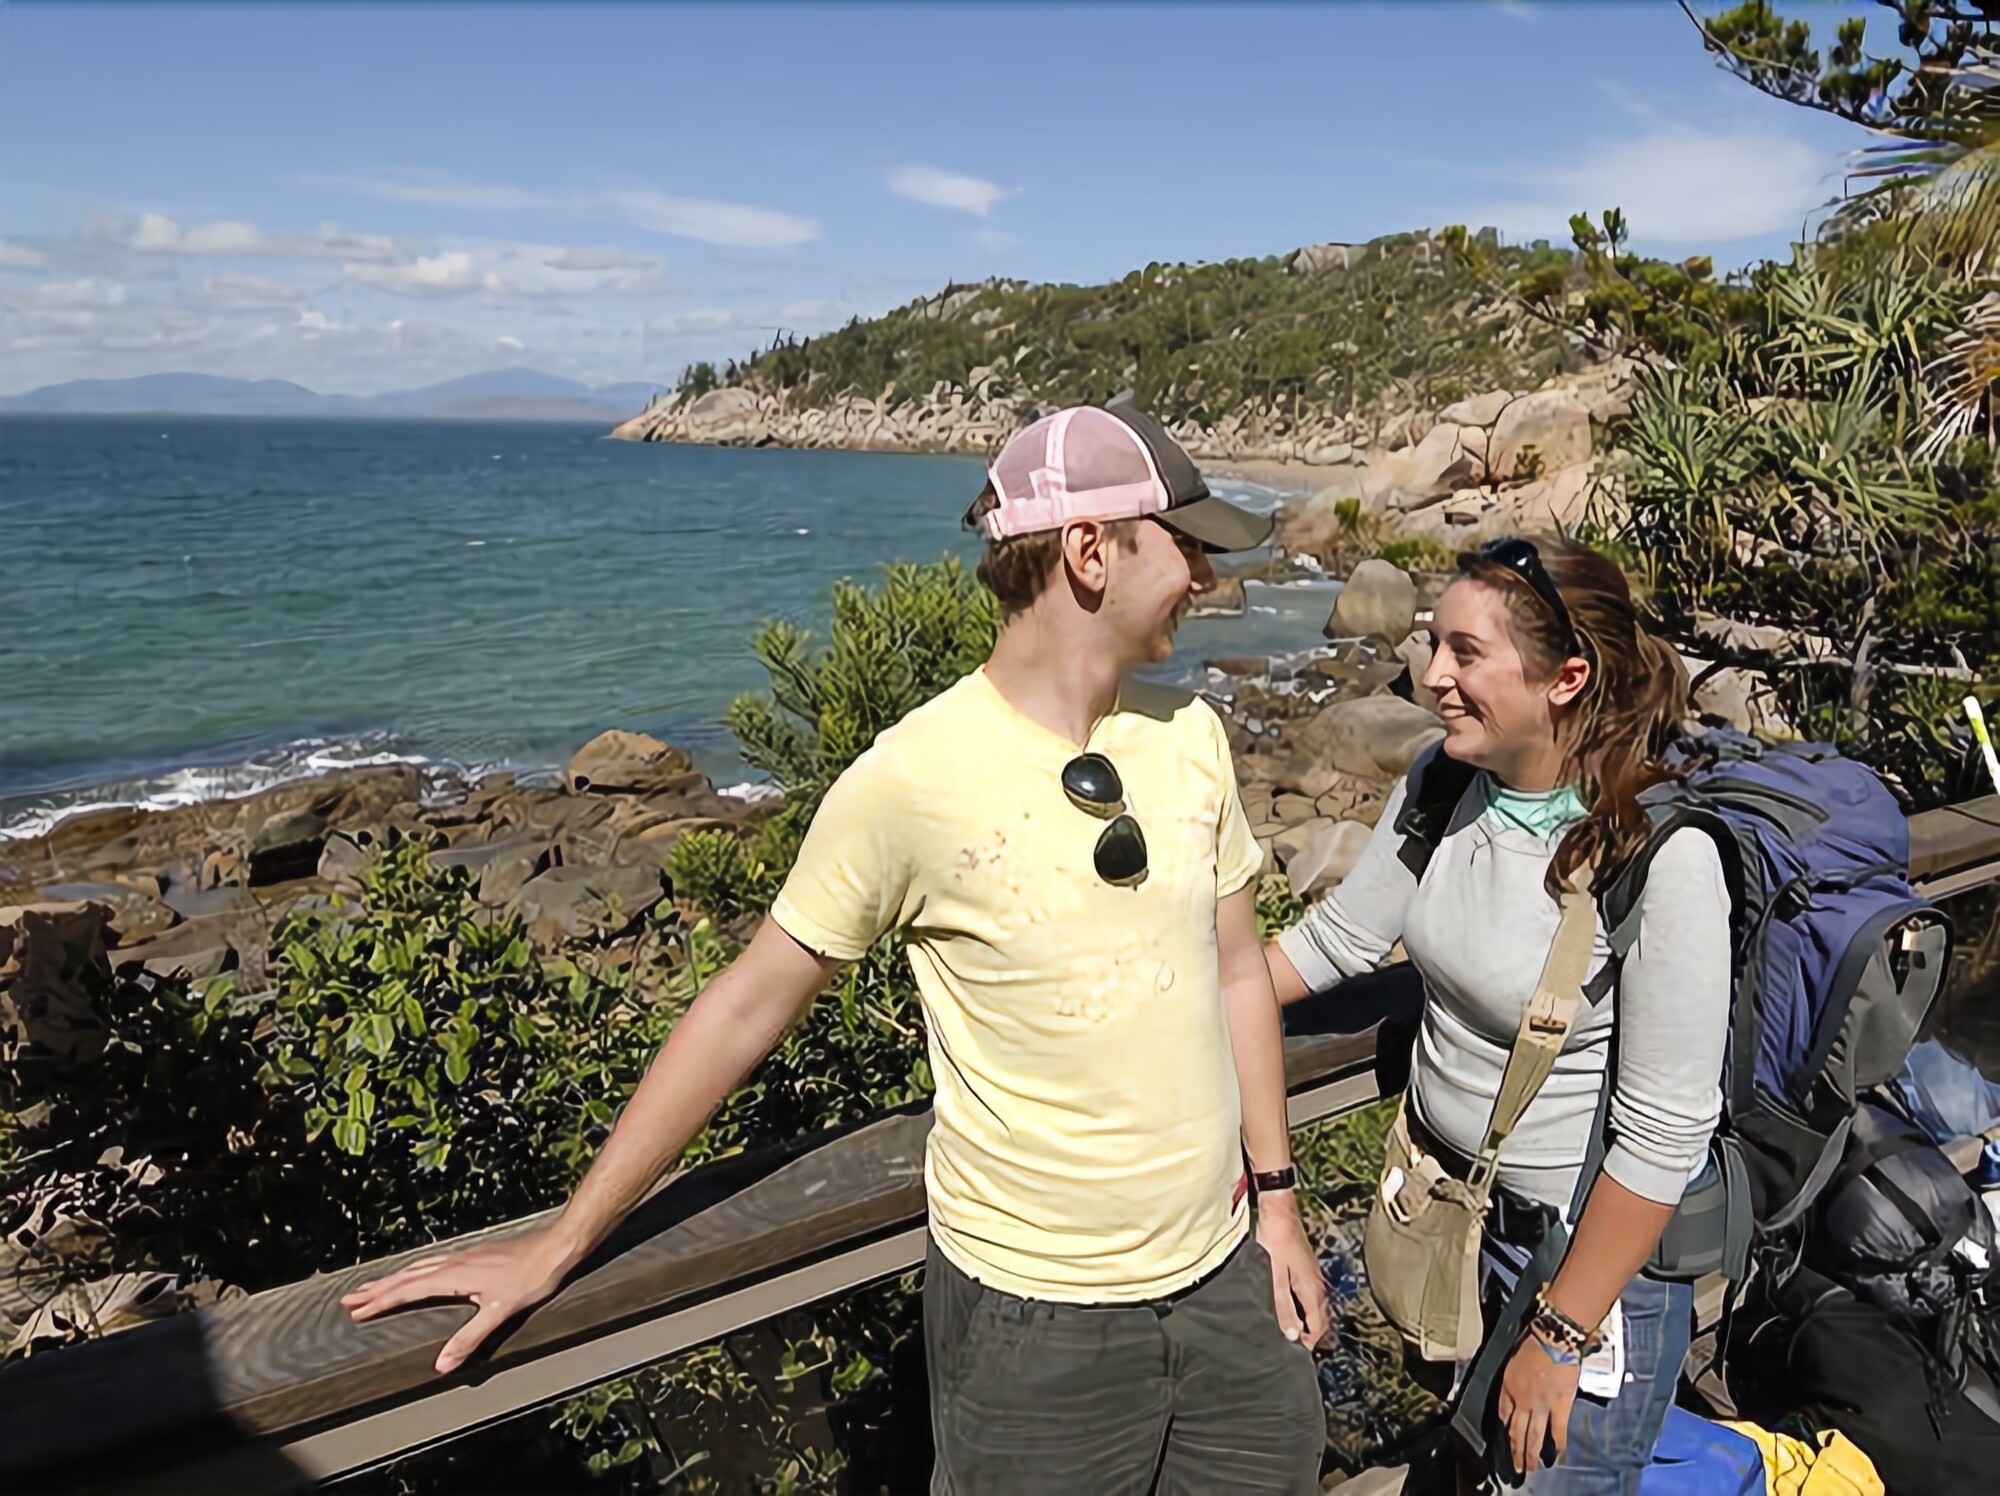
[1093, 786]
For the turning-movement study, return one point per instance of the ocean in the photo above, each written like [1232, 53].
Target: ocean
[204, 605]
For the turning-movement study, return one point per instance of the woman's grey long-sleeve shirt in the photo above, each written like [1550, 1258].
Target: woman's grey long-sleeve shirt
[1478, 927]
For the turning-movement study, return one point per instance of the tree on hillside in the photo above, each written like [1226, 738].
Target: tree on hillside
[1279, 339]
[1937, 100]
[1808, 472]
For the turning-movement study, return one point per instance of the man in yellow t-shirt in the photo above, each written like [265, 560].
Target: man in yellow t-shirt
[1065, 854]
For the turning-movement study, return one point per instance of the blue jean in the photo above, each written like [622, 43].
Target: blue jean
[1611, 1442]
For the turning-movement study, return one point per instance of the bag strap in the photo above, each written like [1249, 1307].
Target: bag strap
[1438, 783]
[1545, 1025]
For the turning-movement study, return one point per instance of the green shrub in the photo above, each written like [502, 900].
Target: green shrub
[415, 1072]
[1799, 480]
[1416, 553]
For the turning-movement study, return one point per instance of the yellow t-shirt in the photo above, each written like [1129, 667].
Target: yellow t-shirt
[1086, 1146]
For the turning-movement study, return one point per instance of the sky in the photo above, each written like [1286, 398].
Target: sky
[361, 197]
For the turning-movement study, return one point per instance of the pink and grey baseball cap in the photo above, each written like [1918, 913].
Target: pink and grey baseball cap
[1094, 462]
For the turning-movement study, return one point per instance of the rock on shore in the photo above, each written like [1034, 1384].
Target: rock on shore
[198, 888]
[973, 418]
[1499, 462]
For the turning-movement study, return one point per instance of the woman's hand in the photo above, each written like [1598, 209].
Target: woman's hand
[1536, 1393]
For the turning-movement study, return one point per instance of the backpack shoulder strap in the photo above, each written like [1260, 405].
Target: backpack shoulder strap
[1437, 783]
[1671, 807]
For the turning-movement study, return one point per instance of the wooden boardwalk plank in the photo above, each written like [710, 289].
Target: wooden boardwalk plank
[289, 1360]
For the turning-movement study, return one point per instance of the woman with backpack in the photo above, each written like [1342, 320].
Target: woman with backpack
[1538, 1134]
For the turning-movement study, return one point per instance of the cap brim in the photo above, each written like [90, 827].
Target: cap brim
[1218, 525]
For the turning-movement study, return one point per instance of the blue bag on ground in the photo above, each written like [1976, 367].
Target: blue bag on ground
[1697, 1458]
[1945, 1094]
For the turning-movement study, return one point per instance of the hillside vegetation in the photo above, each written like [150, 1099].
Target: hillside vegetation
[1325, 329]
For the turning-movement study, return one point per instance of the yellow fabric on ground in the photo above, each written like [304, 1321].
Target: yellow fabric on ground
[1087, 1140]
[1792, 1467]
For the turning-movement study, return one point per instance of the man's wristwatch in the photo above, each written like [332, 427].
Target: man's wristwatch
[1275, 1182]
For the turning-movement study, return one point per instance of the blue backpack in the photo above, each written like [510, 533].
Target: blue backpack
[1837, 963]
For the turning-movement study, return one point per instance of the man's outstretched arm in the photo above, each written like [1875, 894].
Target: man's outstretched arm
[1257, 1039]
[732, 1025]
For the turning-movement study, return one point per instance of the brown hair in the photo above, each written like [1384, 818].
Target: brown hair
[1614, 735]
[1017, 570]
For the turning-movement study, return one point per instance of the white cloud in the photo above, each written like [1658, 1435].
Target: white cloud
[1676, 186]
[587, 259]
[448, 274]
[438, 191]
[554, 270]
[90, 318]
[737, 225]
[546, 272]
[233, 288]
[75, 296]
[817, 310]
[20, 257]
[159, 234]
[946, 189]
[510, 341]
[1629, 101]
[313, 323]
[690, 323]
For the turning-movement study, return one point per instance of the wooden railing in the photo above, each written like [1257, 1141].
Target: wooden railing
[280, 1390]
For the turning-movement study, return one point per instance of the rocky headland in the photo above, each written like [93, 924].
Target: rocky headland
[1502, 460]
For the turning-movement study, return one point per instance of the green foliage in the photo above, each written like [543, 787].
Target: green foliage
[1278, 908]
[892, 648]
[1609, 298]
[455, 1077]
[1193, 343]
[157, 1135]
[1374, 1410]
[416, 1071]
[1342, 1158]
[1929, 93]
[1417, 553]
[1936, 182]
[1783, 484]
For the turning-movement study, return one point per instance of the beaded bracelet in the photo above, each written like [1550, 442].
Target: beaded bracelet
[1558, 1329]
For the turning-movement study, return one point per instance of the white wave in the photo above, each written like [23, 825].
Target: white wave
[305, 758]
[751, 791]
[1298, 584]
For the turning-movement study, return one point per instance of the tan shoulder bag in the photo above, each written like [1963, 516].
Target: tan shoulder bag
[1421, 1243]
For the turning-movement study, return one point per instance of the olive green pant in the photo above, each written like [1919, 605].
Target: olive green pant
[1198, 1393]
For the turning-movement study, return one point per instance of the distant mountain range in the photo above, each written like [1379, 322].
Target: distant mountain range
[504, 394]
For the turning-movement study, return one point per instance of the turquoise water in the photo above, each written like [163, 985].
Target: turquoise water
[202, 605]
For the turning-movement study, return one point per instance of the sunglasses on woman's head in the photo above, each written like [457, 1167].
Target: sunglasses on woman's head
[1093, 787]
[1521, 558]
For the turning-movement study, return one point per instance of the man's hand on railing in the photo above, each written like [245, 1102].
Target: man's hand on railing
[502, 1280]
